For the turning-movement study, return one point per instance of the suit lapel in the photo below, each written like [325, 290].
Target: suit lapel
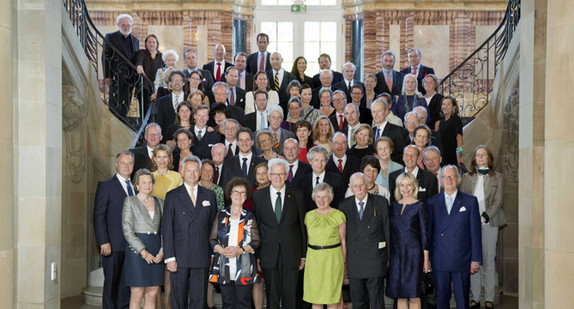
[267, 201]
[286, 203]
[120, 187]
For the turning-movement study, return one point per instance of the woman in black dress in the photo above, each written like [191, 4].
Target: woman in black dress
[450, 129]
[409, 245]
[433, 99]
[298, 69]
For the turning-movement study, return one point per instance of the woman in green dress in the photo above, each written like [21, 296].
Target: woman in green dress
[325, 261]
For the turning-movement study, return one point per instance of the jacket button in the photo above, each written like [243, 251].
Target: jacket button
[441, 234]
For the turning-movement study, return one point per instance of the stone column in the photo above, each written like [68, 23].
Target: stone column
[242, 12]
[354, 14]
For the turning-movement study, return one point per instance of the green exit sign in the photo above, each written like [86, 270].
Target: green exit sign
[298, 8]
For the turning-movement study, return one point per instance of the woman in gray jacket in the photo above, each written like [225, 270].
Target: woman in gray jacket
[141, 220]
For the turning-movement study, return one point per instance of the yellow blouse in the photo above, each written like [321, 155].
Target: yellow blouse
[165, 183]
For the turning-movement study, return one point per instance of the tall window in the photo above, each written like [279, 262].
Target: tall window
[280, 39]
[320, 37]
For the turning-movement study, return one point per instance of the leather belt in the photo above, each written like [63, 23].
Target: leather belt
[324, 247]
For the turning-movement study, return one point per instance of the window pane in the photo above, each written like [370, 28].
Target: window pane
[328, 2]
[285, 2]
[270, 29]
[285, 31]
[286, 50]
[328, 31]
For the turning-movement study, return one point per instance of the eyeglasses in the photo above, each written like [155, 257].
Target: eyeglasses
[238, 192]
[451, 177]
[277, 174]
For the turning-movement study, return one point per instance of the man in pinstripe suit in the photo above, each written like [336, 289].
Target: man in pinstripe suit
[189, 211]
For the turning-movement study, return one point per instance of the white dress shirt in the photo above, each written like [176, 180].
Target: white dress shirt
[124, 185]
[294, 168]
[149, 151]
[336, 160]
[196, 130]
[364, 200]
[241, 156]
[414, 172]
[176, 99]
[273, 195]
[258, 115]
[233, 146]
[321, 177]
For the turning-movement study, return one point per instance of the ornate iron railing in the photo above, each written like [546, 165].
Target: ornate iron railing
[123, 94]
[472, 81]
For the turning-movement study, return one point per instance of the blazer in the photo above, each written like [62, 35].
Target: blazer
[455, 239]
[141, 159]
[382, 84]
[202, 148]
[305, 183]
[352, 165]
[400, 139]
[250, 121]
[239, 97]
[434, 109]
[186, 227]
[112, 63]
[287, 237]
[285, 134]
[337, 77]
[232, 168]
[110, 195]
[368, 240]
[302, 169]
[493, 195]
[283, 95]
[207, 78]
[253, 65]
[335, 123]
[210, 67]
[164, 112]
[428, 184]
[421, 73]
[136, 219]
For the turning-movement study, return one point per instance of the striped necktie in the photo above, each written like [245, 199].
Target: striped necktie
[276, 81]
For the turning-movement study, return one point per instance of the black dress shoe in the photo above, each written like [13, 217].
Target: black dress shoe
[488, 305]
[474, 305]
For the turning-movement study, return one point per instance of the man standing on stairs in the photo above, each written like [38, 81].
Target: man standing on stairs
[143, 155]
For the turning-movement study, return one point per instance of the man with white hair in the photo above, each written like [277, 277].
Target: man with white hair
[120, 82]
[218, 66]
[278, 134]
[416, 68]
[349, 80]
[279, 79]
[325, 80]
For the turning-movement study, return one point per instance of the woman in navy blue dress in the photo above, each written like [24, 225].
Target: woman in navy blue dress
[409, 249]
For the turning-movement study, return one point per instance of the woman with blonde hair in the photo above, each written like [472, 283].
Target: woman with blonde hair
[323, 133]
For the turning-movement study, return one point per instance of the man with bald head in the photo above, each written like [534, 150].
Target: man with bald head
[218, 66]
[279, 79]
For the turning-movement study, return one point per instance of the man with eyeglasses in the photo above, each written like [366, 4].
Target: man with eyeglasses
[144, 154]
[427, 181]
[455, 240]
[242, 164]
[166, 106]
[280, 214]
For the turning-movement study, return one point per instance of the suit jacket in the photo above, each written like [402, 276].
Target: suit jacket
[239, 97]
[287, 237]
[434, 109]
[108, 205]
[283, 95]
[207, 79]
[493, 195]
[202, 148]
[421, 73]
[253, 65]
[186, 227]
[335, 123]
[210, 67]
[305, 183]
[428, 184]
[113, 63]
[164, 112]
[232, 168]
[136, 219]
[368, 240]
[302, 169]
[141, 159]
[285, 134]
[455, 239]
[352, 166]
[250, 121]
[337, 77]
[399, 137]
[382, 84]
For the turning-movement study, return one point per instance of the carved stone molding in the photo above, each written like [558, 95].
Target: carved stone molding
[73, 108]
[510, 138]
[74, 119]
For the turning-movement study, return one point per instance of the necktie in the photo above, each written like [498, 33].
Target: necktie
[218, 73]
[216, 175]
[176, 103]
[378, 133]
[232, 97]
[276, 141]
[278, 207]
[276, 81]
[389, 82]
[262, 62]
[361, 210]
[229, 151]
[340, 166]
[448, 204]
[242, 80]
[262, 121]
[199, 135]
[341, 122]
[290, 177]
[192, 196]
[414, 71]
[244, 168]
[317, 181]
[130, 191]
[351, 138]
[349, 86]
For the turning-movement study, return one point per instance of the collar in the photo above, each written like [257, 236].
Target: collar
[414, 172]
[149, 150]
[321, 176]
[188, 187]
[273, 191]
[451, 195]
[364, 200]
[241, 156]
[121, 179]
[336, 159]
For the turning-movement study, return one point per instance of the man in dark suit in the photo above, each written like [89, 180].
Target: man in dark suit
[230, 130]
[278, 134]
[381, 127]
[203, 140]
[427, 181]
[416, 68]
[188, 215]
[280, 216]
[318, 157]
[338, 119]
[108, 206]
[325, 81]
[348, 80]
[358, 99]
[387, 76]
[120, 48]
[279, 79]
[368, 237]
[339, 162]
[143, 155]
[259, 119]
[236, 94]
[423, 114]
[259, 60]
[245, 79]
[325, 64]
[190, 56]
[455, 240]
[243, 164]
[221, 93]
[218, 66]
[167, 105]
[296, 168]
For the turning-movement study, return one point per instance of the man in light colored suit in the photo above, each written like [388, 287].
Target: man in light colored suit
[455, 240]
[189, 211]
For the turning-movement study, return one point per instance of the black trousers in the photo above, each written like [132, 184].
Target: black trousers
[281, 286]
[367, 293]
[115, 295]
[188, 283]
[236, 296]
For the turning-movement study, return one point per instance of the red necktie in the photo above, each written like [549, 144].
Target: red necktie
[340, 166]
[218, 73]
[276, 141]
[262, 62]
[340, 122]
[389, 82]
[414, 71]
[232, 98]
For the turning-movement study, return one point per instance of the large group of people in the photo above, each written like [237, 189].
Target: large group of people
[260, 181]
